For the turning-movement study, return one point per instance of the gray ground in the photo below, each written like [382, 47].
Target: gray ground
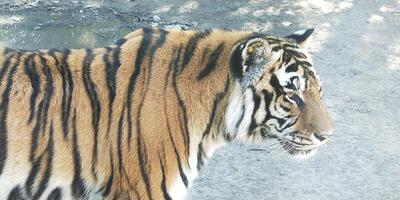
[356, 51]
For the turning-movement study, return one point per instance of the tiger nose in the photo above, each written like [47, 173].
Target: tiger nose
[322, 136]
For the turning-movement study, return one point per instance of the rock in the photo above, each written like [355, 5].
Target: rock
[363, 110]
[286, 23]
[153, 24]
[174, 26]
[16, 19]
[156, 18]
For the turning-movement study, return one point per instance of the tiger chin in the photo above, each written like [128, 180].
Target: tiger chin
[140, 118]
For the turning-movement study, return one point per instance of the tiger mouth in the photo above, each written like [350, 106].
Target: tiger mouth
[292, 147]
[298, 149]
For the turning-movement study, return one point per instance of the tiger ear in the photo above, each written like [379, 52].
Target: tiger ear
[250, 58]
[301, 37]
[254, 54]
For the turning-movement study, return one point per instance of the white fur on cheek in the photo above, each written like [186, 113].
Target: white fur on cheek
[248, 111]
[234, 110]
[237, 119]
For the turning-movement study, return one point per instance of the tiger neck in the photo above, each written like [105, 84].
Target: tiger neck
[214, 134]
[205, 123]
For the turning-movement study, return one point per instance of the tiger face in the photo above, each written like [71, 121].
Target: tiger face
[278, 95]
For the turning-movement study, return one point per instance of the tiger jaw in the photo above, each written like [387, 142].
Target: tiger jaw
[297, 148]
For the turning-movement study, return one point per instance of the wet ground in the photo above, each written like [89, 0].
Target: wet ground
[356, 51]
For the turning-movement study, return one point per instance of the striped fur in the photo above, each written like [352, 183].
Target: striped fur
[139, 119]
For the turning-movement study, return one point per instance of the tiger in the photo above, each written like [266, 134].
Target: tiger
[140, 118]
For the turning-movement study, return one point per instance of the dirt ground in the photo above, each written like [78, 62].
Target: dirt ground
[356, 52]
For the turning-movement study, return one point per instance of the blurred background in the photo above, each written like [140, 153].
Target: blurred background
[356, 48]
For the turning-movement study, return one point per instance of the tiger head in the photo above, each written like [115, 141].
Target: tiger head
[277, 94]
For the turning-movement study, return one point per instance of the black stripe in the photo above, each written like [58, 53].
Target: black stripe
[68, 85]
[56, 194]
[140, 142]
[51, 53]
[267, 101]
[178, 157]
[78, 186]
[286, 57]
[281, 121]
[15, 194]
[241, 117]
[110, 73]
[32, 175]
[143, 163]
[304, 63]
[43, 108]
[276, 48]
[30, 71]
[191, 47]
[47, 173]
[182, 115]
[90, 89]
[204, 54]
[173, 64]
[274, 82]
[293, 46]
[140, 55]
[4, 113]
[185, 132]
[107, 188]
[295, 53]
[200, 156]
[212, 61]
[294, 67]
[257, 102]
[141, 151]
[293, 83]
[161, 40]
[163, 179]
[119, 140]
[236, 62]
[216, 101]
